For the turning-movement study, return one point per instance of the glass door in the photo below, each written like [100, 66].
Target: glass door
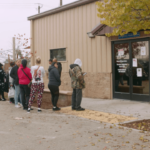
[121, 64]
[140, 70]
[131, 70]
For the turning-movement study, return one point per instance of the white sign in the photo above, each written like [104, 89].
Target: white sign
[120, 52]
[143, 51]
[134, 62]
[139, 72]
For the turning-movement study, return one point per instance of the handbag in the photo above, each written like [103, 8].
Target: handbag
[11, 92]
[29, 85]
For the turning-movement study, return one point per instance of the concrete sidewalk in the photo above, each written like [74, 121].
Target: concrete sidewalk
[58, 131]
[136, 109]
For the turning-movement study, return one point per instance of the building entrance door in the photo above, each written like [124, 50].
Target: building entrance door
[131, 69]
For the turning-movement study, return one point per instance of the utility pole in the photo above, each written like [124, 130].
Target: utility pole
[14, 54]
[39, 9]
[60, 2]
[8, 59]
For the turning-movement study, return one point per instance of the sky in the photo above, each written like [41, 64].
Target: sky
[13, 18]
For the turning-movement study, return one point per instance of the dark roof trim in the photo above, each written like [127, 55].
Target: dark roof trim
[62, 8]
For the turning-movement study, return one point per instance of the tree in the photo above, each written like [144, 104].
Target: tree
[125, 15]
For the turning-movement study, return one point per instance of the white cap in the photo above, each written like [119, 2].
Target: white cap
[78, 62]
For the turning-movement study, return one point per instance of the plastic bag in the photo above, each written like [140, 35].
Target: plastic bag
[11, 92]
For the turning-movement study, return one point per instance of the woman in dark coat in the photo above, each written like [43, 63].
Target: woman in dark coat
[2, 82]
[54, 83]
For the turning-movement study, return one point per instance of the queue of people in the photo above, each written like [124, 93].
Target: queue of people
[26, 83]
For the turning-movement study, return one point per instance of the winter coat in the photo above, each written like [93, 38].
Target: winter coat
[23, 79]
[14, 74]
[2, 79]
[54, 76]
[77, 79]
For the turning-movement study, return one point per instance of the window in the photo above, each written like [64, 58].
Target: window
[60, 54]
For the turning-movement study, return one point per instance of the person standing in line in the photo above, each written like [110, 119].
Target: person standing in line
[14, 75]
[25, 78]
[54, 83]
[2, 82]
[50, 63]
[11, 80]
[59, 66]
[77, 83]
[38, 73]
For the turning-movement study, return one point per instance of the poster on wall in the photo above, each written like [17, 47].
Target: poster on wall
[143, 51]
[120, 52]
[139, 72]
[134, 62]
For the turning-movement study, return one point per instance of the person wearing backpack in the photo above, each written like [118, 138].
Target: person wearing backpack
[37, 86]
[25, 77]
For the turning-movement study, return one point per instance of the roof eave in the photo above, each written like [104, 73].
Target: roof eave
[62, 8]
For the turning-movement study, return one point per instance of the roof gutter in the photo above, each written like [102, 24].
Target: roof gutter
[62, 8]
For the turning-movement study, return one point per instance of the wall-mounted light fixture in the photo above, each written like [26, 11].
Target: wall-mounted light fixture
[90, 35]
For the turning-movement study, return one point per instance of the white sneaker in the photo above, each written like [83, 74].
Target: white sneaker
[17, 106]
[20, 104]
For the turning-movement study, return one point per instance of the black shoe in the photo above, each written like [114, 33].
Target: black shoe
[73, 108]
[39, 110]
[25, 108]
[56, 109]
[0, 99]
[3, 99]
[80, 109]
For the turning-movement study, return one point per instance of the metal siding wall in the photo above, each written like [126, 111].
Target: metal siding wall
[99, 53]
[89, 43]
[109, 60]
[68, 39]
[104, 55]
[93, 50]
[69, 29]
[32, 29]
[46, 45]
[84, 33]
[80, 34]
[43, 41]
[72, 46]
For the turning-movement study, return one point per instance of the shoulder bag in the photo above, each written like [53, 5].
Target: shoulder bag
[29, 85]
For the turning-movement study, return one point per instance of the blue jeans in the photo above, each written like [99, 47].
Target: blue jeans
[17, 94]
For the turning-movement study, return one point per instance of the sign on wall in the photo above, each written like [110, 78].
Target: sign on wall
[129, 35]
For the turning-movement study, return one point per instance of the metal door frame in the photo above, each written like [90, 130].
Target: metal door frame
[130, 95]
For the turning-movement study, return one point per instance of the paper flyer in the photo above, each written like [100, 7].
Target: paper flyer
[139, 72]
[120, 52]
[143, 51]
[134, 62]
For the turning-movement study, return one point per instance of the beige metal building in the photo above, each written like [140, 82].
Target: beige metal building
[74, 31]
[67, 27]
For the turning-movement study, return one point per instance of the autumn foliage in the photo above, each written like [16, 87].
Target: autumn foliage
[125, 15]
